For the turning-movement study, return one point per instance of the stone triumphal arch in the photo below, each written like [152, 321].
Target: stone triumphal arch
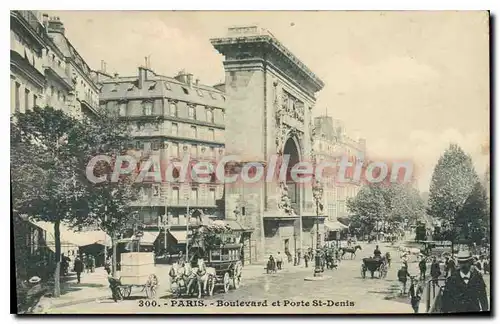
[271, 94]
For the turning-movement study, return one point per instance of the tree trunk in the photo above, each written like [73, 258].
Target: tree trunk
[113, 266]
[57, 274]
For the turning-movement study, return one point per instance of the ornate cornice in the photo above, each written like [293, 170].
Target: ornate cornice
[241, 48]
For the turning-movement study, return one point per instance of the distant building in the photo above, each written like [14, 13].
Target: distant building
[331, 144]
[170, 117]
[46, 70]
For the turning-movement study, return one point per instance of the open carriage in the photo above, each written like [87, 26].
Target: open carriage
[374, 265]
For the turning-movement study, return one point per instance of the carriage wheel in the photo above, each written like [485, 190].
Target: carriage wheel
[237, 275]
[237, 282]
[226, 282]
[125, 291]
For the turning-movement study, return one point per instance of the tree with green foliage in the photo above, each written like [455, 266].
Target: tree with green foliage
[473, 220]
[452, 182]
[45, 159]
[391, 204]
[367, 208]
[50, 152]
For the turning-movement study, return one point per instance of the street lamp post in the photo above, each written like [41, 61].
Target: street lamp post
[318, 195]
[187, 229]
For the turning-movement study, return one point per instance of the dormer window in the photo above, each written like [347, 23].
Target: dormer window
[223, 98]
[199, 93]
[186, 91]
[212, 95]
[167, 85]
[130, 87]
[152, 86]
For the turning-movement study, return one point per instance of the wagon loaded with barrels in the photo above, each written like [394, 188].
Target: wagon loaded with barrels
[374, 265]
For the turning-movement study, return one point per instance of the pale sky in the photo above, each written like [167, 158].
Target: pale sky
[408, 82]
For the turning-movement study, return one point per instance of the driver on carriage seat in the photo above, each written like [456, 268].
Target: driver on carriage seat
[376, 253]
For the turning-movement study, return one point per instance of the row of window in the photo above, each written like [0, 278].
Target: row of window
[168, 86]
[147, 110]
[174, 148]
[29, 101]
[193, 132]
[175, 198]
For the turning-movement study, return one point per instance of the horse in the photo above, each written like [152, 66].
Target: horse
[205, 276]
[182, 278]
[352, 251]
[388, 259]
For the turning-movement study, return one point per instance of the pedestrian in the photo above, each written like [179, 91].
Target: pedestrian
[465, 290]
[306, 259]
[92, 263]
[279, 261]
[107, 266]
[422, 265]
[435, 270]
[78, 268]
[403, 276]
[449, 266]
[415, 291]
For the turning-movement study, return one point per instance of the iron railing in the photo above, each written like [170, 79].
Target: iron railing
[433, 303]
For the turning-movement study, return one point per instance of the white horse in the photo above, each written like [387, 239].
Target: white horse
[205, 276]
[181, 277]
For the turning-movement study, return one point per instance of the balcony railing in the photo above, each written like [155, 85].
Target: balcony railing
[59, 71]
[31, 19]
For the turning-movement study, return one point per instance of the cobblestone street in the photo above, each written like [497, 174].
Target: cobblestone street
[344, 285]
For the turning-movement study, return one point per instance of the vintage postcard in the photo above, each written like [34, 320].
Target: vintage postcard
[328, 162]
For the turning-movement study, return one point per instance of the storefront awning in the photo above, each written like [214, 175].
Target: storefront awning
[235, 225]
[69, 237]
[147, 237]
[180, 236]
[335, 225]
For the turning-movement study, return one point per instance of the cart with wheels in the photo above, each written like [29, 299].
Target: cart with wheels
[137, 272]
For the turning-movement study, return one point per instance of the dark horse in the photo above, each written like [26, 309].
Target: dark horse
[350, 250]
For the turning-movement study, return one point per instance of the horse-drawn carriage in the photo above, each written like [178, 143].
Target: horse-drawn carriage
[373, 265]
[217, 260]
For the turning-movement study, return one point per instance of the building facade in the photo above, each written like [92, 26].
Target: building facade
[332, 144]
[46, 70]
[271, 94]
[170, 119]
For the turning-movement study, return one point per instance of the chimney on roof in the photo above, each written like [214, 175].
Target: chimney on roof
[197, 82]
[143, 76]
[115, 75]
[103, 66]
[45, 21]
[55, 25]
[184, 77]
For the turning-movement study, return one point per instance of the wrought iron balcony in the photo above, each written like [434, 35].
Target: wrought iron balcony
[59, 72]
[31, 24]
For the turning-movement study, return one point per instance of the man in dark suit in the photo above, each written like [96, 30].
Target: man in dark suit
[465, 290]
